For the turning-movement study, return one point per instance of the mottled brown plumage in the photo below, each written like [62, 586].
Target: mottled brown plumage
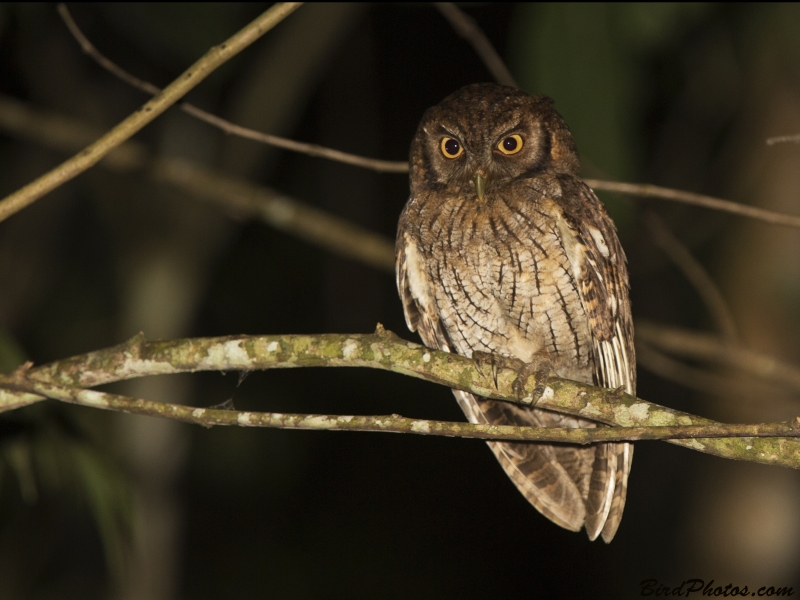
[502, 249]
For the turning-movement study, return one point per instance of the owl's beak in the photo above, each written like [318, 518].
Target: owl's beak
[480, 184]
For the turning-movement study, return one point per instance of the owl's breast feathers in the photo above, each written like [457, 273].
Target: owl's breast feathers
[536, 268]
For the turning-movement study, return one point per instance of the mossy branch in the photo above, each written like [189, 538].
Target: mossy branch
[634, 419]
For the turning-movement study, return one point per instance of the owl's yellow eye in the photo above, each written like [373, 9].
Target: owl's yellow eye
[511, 145]
[451, 148]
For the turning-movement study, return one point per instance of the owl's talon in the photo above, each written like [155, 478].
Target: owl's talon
[542, 369]
[484, 359]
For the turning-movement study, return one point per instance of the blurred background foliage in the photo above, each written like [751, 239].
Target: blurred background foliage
[96, 505]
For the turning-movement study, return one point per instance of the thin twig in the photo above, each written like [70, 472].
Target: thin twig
[382, 350]
[696, 274]
[90, 50]
[706, 347]
[783, 139]
[645, 190]
[149, 111]
[647, 357]
[631, 189]
[66, 135]
[384, 166]
[236, 195]
[467, 28]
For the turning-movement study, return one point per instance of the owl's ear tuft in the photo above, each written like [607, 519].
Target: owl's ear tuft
[542, 100]
[563, 150]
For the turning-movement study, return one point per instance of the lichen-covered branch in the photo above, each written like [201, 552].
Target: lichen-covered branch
[67, 379]
[209, 417]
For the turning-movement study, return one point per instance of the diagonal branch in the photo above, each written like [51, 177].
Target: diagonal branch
[467, 28]
[710, 348]
[238, 196]
[693, 271]
[385, 166]
[288, 214]
[382, 350]
[190, 78]
[280, 211]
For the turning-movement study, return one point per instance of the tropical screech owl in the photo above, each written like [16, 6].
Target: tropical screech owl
[503, 250]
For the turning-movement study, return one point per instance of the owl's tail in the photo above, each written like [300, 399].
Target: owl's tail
[573, 486]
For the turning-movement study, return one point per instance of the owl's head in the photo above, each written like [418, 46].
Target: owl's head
[486, 135]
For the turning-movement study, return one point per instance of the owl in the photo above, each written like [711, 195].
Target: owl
[503, 251]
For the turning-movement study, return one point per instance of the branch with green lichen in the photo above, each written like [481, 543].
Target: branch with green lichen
[631, 418]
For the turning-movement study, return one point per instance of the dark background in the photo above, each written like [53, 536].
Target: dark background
[96, 505]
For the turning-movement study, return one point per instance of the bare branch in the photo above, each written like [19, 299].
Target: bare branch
[382, 350]
[702, 346]
[694, 378]
[90, 155]
[384, 166]
[781, 139]
[467, 28]
[282, 212]
[645, 190]
[285, 213]
[90, 50]
[236, 195]
[696, 274]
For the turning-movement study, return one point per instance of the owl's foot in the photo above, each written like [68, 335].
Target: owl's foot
[491, 362]
[542, 369]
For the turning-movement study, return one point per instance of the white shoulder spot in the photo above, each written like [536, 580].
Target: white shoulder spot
[417, 277]
[599, 240]
[573, 248]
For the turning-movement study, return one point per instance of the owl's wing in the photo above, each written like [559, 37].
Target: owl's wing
[419, 304]
[548, 476]
[599, 266]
